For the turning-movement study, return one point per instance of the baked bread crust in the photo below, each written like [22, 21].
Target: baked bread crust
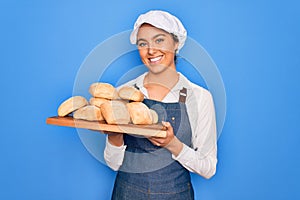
[139, 113]
[154, 116]
[89, 112]
[115, 112]
[131, 93]
[103, 90]
[70, 105]
[97, 101]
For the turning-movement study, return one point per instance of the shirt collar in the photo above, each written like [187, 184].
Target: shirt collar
[182, 82]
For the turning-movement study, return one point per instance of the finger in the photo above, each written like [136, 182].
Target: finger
[167, 125]
[155, 142]
[156, 138]
[107, 132]
[110, 133]
[169, 128]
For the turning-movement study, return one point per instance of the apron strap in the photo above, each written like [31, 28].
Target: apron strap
[136, 87]
[182, 95]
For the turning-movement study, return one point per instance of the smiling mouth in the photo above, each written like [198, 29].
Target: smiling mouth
[156, 59]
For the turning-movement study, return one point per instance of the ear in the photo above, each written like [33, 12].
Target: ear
[176, 44]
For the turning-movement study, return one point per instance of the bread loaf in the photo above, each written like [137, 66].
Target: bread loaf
[97, 101]
[115, 112]
[89, 112]
[131, 93]
[70, 105]
[154, 116]
[103, 90]
[139, 113]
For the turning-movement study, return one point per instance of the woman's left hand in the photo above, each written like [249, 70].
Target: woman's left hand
[162, 142]
[170, 142]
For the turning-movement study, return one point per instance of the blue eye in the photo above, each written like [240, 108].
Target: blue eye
[142, 44]
[159, 40]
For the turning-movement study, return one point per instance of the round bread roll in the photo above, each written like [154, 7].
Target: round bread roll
[103, 90]
[97, 101]
[89, 112]
[131, 93]
[154, 116]
[139, 113]
[70, 105]
[115, 112]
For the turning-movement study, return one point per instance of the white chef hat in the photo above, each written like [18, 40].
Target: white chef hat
[163, 20]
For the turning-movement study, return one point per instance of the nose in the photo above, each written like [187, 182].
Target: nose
[151, 49]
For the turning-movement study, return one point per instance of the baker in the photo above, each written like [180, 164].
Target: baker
[159, 168]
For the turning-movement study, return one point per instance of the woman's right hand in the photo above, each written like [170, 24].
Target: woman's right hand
[115, 139]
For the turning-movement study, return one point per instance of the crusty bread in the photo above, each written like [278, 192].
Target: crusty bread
[97, 101]
[70, 105]
[139, 113]
[115, 112]
[131, 93]
[89, 112]
[103, 90]
[154, 116]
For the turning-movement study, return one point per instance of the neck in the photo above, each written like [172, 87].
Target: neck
[168, 78]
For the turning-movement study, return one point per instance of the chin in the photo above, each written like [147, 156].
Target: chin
[156, 69]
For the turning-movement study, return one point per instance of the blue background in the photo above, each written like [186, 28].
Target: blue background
[255, 45]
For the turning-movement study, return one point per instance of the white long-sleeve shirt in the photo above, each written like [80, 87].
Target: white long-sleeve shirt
[201, 157]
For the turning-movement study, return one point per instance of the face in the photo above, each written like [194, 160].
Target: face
[156, 48]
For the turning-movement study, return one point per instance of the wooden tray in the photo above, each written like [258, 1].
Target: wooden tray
[157, 130]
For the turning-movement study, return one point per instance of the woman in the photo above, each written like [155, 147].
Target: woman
[159, 168]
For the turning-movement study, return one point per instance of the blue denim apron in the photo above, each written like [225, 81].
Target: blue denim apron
[148, 171]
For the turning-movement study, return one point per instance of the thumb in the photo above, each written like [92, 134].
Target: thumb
[166, 124]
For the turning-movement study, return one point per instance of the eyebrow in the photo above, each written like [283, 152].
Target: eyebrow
[160, 34]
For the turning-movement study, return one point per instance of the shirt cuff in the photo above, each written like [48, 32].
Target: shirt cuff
[113, 148]
[114, 155]
[185, 154]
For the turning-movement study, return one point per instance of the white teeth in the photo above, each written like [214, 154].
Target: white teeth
[155, 59]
